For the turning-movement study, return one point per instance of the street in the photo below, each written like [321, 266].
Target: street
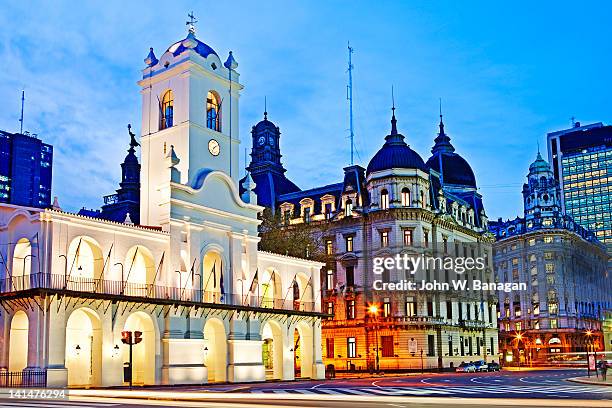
[527, 388]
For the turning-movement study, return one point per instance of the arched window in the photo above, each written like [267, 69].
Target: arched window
[384, 200]
[213, 111]
[405, 197]
[166, 107]
[348, 208]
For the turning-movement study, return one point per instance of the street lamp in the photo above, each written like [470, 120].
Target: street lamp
[588, 334]
[518, 337]
[373, 309]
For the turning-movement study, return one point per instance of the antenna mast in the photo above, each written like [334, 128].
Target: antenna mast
[21, 118]
[349, 96]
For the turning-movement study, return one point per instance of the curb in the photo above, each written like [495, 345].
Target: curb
[583, 380]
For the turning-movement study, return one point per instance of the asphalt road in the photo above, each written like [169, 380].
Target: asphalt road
[531, 388]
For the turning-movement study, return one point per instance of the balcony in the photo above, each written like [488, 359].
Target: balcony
[153, 293]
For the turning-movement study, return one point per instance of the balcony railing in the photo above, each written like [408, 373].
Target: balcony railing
[149, 291]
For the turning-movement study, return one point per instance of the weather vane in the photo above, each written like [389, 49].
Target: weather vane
[191, 22]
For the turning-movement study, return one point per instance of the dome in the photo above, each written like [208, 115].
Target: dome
[191, 42]
[395, 153]
[453, 168]
[265, 124]
[539, 165]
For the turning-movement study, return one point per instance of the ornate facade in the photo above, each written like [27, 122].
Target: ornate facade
[208, 305]
[564, 267]
[400, 204]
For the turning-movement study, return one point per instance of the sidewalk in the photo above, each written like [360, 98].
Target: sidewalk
[592, 380]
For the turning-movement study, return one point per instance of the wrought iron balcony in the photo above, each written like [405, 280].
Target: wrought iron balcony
[87, 287]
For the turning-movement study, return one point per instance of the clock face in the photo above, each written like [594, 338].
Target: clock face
[271, 141]
[261, 140]
[213, 147]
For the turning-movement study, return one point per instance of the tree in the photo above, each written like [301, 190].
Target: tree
[301, 240]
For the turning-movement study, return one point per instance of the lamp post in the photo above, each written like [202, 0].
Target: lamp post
[373, 309]
[588, 335]
[518, 337]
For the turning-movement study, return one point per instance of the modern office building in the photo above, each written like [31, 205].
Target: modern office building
[564, 267]
[25, 170]
[581, 159]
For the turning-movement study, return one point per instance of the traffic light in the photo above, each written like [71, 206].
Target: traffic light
[137, 337]
[126, 337]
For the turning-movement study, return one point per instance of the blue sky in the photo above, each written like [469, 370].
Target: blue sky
[508, 73]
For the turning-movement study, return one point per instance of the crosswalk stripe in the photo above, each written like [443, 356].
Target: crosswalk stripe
[462, 390]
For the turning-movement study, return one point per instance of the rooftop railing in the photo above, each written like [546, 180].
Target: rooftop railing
[81, 285]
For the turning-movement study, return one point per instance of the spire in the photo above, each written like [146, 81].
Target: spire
[230, 63]
[265, 108]
[393, 120]
[442, 141]
[151, 58]
[441, 122]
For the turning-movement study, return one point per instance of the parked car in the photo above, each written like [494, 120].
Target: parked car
[481, 365]
[493, 366]
[466, 368]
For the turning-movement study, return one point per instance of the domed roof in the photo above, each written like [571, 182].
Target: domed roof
[265, 124]
[191, 42]
[453, 168]
[395, 153]
[539, 165]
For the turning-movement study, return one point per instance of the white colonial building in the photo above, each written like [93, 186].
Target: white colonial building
[210, 306]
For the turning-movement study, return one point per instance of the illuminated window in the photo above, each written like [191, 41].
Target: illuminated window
[548, 240]
[349, 244]
[350, 309]
[553, 323]
[330, 309]
[351, 347]
[387, 307]
[348, 208]
[411, 307]
[518, 326]
[330, 279]
[384, 200]
[213, 111]
[384, 239]
[407, 237]
[166, 111]
[329, 247]
[550, 268]
[405, 197]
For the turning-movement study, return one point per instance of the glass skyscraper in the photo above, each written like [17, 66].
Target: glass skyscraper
[581, 158]
[25, 170]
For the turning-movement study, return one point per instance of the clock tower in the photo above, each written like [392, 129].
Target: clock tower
[190, 102]
[266, 168]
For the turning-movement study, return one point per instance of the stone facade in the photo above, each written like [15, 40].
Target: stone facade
[398, 205]
[564, 267]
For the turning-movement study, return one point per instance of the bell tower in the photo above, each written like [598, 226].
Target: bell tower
[541, 194]
[190, 101]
